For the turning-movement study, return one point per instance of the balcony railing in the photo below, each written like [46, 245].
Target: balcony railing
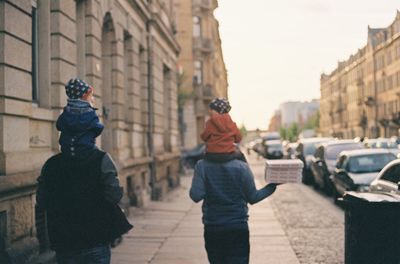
[369, 101]
[204, 92]
[202, 4]
[203, 44]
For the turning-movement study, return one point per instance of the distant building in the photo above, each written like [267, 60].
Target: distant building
[361, 97]
[297, 112]
[275, 123]
[203, 75]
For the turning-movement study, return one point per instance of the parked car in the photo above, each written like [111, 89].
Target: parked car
[324, 160]
[257, 147]
[190, 157]
[289, 150]
[385, 143]
[304, 151]
[273, 149]
[370, 142]
[271, 136]
[388, 180]
[356, 169]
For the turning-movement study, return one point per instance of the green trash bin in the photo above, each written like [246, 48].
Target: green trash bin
[372, 228]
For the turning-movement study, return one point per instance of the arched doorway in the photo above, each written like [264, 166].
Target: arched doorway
[107, 49]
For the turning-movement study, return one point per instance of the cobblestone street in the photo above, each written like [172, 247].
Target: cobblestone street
[313, 224]
[295, 225]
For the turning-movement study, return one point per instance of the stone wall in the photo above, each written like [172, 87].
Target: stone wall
[127, 51]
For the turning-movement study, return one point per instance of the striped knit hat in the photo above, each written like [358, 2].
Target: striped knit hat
[220, 105]
[76, 88]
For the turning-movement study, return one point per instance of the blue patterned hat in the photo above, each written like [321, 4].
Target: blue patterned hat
[220, 105]
[76, 88]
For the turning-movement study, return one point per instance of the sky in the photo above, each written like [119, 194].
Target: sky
[275, 51]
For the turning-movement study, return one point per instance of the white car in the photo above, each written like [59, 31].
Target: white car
[388, 179]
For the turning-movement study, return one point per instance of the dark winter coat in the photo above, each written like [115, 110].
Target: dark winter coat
[220, 134]
[80, 198]
[79, 126]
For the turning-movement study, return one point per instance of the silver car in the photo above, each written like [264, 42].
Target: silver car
[356, 169]
[388, 180]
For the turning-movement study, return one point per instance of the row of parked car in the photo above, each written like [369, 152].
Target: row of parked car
[331, 165]
[337, 166]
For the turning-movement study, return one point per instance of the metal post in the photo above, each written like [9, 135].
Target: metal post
[150, 108]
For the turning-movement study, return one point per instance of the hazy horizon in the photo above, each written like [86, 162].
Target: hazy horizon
[276, 51]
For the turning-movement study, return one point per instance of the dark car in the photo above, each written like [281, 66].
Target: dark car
[304, 151]
[273, 149]
[388, 180]
[324, 161]
[190, 157]
[356, 169]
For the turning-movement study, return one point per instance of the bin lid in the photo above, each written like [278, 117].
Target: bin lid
[372, 197]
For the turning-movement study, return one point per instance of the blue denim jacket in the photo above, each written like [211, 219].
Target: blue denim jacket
[79, 126]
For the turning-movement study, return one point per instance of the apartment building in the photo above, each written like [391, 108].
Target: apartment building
[128, 52]
[361, 97]
[203, 74]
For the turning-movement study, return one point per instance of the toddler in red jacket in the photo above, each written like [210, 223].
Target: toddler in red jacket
[221, 133]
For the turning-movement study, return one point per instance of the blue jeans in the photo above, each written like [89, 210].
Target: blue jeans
[95, 255]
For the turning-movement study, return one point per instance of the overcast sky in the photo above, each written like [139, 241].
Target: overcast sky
[275, 51]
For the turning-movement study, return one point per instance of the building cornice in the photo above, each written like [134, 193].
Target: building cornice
[349, 64]
[140, 7]
[161, 28]
[153, 19]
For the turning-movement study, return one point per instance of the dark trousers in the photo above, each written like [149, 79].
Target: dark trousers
[96, 255]
[225, 246]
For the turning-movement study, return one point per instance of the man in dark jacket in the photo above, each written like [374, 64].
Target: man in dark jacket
[225, 183]
[226, 186]
[79, 188]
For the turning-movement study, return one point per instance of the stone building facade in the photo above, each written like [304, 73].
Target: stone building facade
[361, 97]
[203, 74]
[128, 52]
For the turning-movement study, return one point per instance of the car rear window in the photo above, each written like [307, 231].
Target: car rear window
[369, 163]
[274, 147]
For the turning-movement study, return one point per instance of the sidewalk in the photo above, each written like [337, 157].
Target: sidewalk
[171, 232]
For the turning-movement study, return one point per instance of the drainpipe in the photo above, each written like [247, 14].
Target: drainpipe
[377, 129]
[150, 109]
